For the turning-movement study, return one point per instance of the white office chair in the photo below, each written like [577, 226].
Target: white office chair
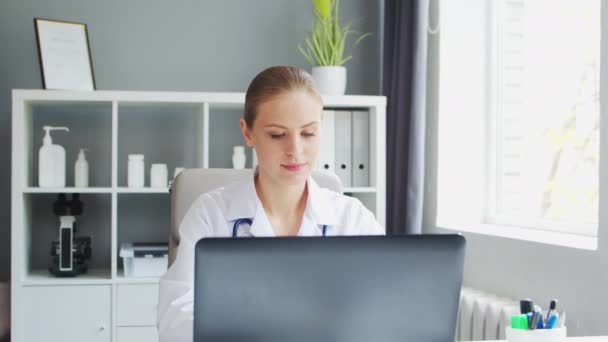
[189, 184]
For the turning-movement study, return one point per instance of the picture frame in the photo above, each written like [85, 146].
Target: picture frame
[65, 55]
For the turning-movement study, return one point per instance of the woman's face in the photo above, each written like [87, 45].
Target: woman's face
[285, 134]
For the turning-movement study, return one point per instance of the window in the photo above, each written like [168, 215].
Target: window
[519, 115]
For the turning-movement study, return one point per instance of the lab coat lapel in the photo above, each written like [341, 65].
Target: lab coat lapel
[320, 207]
[319, 212]
[242, 202]
[309, 227]
[240, 199]
[261, 225]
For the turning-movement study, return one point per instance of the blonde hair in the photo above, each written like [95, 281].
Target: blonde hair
[275, 81]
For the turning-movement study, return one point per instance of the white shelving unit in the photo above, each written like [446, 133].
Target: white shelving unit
[103, 305]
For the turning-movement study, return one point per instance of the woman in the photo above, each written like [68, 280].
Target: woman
[282, 120]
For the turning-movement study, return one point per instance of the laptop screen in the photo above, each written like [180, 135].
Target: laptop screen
[338, 289]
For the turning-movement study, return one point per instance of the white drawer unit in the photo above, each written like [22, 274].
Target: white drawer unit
[136, 304]
[66, 313]
[136, 334]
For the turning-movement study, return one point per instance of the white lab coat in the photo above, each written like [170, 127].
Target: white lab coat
[213, 215]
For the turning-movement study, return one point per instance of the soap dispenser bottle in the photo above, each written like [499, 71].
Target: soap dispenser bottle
[51, 161]
[81, 170]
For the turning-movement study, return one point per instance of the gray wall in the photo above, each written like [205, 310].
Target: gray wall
[517, 269]
[177, 45]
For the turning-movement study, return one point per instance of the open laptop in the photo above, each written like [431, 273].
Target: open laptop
[335, 289]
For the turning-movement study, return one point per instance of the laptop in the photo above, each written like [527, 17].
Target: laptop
[333, 289]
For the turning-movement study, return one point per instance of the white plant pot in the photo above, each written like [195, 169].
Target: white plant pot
[330, 80]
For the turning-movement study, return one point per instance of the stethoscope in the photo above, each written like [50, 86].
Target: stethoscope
[237, 223]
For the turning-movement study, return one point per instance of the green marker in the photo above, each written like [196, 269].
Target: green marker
[519, 322]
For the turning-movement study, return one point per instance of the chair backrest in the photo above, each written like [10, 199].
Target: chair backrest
[191, 183]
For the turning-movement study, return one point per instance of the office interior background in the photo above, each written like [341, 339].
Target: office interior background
[218, 46]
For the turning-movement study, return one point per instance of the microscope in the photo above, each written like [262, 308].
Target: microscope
[70, 254]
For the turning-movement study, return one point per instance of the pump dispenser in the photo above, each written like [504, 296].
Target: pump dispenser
[81, 170]
[51, 161]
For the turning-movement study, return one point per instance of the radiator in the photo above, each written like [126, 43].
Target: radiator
[483, 316]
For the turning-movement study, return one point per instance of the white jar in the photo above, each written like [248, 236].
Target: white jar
[135, 177]
[158, 176]
[238, 157]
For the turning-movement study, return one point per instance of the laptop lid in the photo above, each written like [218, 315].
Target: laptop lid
[338, 289]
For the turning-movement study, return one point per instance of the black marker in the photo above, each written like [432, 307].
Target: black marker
[526, 305]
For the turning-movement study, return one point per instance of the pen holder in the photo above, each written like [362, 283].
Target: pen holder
[538, 335]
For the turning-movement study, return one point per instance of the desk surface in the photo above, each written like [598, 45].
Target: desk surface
[579, 339]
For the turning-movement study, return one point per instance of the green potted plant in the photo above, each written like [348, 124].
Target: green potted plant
[325, 46]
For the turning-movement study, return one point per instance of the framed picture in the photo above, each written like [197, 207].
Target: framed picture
[65, 55]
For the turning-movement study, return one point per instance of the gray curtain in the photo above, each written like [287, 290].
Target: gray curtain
[404, 84]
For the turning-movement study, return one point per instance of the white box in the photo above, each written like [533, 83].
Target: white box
[536, 335]
[144, 259]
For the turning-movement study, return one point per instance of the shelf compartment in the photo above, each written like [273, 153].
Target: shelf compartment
[90, 125]
[224, 134]
[141, 217]
[168, 133]
[369, 199]
[42, 226]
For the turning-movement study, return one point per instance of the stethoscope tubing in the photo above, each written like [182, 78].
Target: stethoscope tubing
[237, 223]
